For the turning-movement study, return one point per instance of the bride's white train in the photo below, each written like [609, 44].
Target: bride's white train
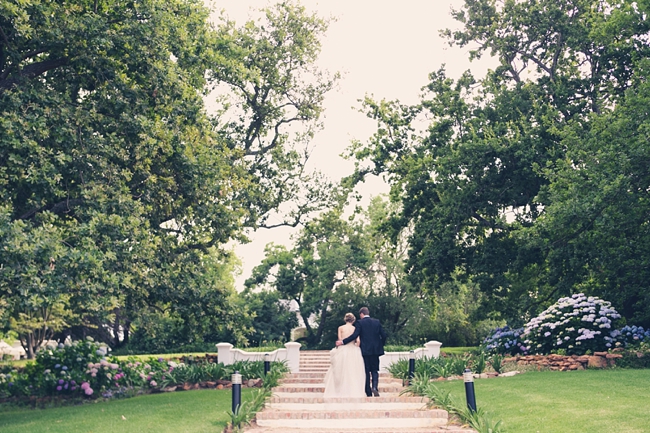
[347, 375]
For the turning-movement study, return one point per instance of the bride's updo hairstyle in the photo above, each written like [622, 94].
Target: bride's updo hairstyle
[349, 318]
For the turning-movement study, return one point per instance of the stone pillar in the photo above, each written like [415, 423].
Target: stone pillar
[225, 353]
[293, 356]
[432, 349]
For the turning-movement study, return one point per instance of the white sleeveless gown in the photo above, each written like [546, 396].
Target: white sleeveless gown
[346, 376]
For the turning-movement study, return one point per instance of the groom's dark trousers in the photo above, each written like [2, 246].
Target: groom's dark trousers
[372, 337]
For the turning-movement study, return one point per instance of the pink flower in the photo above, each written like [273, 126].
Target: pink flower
[88, 391]
[85, 386]
[153, 383]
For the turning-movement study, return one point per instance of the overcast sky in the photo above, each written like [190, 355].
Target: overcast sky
[382, 48]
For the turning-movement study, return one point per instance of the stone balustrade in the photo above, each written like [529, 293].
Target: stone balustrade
[291, 354]
[431, 349]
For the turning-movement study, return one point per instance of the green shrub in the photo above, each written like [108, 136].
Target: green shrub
[443, 366]
[478, 420]
[635, 357]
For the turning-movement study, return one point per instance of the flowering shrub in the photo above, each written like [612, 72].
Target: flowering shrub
[505, 341]
[575, 325]
[631, 336]
[10, 380]
[82, 369]
[65, 369]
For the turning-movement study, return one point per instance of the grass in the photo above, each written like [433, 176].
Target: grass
[174, 412]
[457, 350]
[557, 402]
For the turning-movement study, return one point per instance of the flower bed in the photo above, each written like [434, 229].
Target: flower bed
[83, 371]
[575, 325]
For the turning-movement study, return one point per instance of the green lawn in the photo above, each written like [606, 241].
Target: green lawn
[457, 350]
[173, 412]
[591, 401]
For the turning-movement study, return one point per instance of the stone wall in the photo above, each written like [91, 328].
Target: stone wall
[565, 363]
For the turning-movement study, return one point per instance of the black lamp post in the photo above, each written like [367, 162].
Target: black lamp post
[468, 378]
[236, 391]
[267, 364]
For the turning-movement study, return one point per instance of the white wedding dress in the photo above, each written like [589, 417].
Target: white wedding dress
[346, 376]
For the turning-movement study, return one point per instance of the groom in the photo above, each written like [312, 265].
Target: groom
[373, 338]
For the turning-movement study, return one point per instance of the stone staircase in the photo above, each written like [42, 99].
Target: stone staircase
[298, 405]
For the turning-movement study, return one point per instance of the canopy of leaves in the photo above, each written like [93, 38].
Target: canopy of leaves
[118, 190]
[533, 180]
[338, 265]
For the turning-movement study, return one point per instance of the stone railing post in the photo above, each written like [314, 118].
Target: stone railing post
[225, 353]
[432, 349]
[293, 356]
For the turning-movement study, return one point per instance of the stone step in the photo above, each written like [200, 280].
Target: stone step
[320, 399]
[443, 429]
[321, 374]
[385, 403]
[368, 420]
[320, 388]
[383, 379]
[298, 406]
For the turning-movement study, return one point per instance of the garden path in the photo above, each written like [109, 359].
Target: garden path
[298, 405]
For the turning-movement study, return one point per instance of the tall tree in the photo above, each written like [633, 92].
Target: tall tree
[106, 151]
[270, 93]
[325, 252]
[475, 183]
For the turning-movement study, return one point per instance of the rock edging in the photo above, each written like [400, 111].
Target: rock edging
[566, 363]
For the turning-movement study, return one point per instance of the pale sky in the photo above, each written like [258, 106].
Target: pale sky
[382, 48]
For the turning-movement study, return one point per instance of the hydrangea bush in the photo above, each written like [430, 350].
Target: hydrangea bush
[631, 336]
[573, 325]
[505, 341]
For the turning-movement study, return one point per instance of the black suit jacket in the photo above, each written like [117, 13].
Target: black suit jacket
[372, 336]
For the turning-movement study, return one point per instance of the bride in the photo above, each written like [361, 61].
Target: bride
[346, 376]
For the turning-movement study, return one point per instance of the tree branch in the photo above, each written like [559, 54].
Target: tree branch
[33, 70]
[61, 207]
